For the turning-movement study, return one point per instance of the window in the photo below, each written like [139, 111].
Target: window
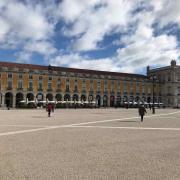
[20, 76]
[20, 84]
[178, 77]
[76, 88]
[9, 76]
[169, 90]
[84, 85]
[50, 78]
[49, 85]
[9, 84]
[40, 77]
[169, 77]
[30, 76]
[131, 87]
[67, 87]
[125, 86]
[40, 85]
[137, 87]
[105, 85]
[59, 83]
[98, 85]
[143, 87]
[30, 84]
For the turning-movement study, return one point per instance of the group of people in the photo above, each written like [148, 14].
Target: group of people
[50, 108]
[142, 110]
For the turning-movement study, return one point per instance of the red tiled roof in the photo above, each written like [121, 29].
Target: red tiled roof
[64, 69]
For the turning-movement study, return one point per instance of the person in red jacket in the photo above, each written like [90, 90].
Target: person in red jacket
[49, 109]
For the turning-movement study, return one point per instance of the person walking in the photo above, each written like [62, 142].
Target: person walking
[49, 109]
[142, 111]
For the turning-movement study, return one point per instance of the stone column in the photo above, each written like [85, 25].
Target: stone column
[14, 101]
[2, 99]
[108, 100]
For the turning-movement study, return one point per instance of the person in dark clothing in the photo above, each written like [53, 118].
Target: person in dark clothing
[142, 111]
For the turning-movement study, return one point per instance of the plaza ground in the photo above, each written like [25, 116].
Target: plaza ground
[89, 144]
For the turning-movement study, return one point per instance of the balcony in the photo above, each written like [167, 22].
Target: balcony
[19, 89]
[49, 90]
[105, 92]
[30, 89]
[58, 90]
[118, 93]
[75, 91]
[83, 91]
[9, 88]
[40, 89]
[125, 93]
[91, 92]
[67, 90]
[131, 93]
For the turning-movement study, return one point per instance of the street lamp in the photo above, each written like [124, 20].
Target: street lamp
[153, 81]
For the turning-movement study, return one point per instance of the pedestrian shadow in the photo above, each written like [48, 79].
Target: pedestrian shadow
[130, 121]
[37, 116]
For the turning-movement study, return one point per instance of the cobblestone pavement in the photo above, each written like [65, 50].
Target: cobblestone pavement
[89, 144]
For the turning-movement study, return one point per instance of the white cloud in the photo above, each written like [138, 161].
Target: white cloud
[77, 61]
[92, 23]
[29, 27]
[41, 47]
[27, 22]
[3, 30]
[168, 13]
[23, 57]
[157, 51]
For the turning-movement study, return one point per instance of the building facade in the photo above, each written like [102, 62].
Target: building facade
[169, 82]
[27, 82]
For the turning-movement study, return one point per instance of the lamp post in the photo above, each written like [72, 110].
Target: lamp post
[153, 81]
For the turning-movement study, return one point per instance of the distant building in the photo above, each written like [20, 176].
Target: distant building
[169, 82]
[27, 82]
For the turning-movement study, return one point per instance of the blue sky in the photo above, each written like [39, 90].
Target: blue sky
[109, 35]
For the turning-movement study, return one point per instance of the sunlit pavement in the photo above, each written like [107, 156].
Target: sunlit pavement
[89, 144]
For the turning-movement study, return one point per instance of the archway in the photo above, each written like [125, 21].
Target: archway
[19, 97]
[67, 97]
[144, 99]
[125, 99]
[90, 98]
[105, 101]
[137, 99]
[58, 97]
[75, 97]
[148, 99]
[112, 101]
[30, 97]
[98, 100]
[83, 98]
[40, 97]
[118, 101]
[49, 97]
[131, 99]
[9, 99]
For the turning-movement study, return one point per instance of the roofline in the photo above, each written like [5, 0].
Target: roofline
[76, 70]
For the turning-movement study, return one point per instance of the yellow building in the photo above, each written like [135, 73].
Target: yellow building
[35, 83]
